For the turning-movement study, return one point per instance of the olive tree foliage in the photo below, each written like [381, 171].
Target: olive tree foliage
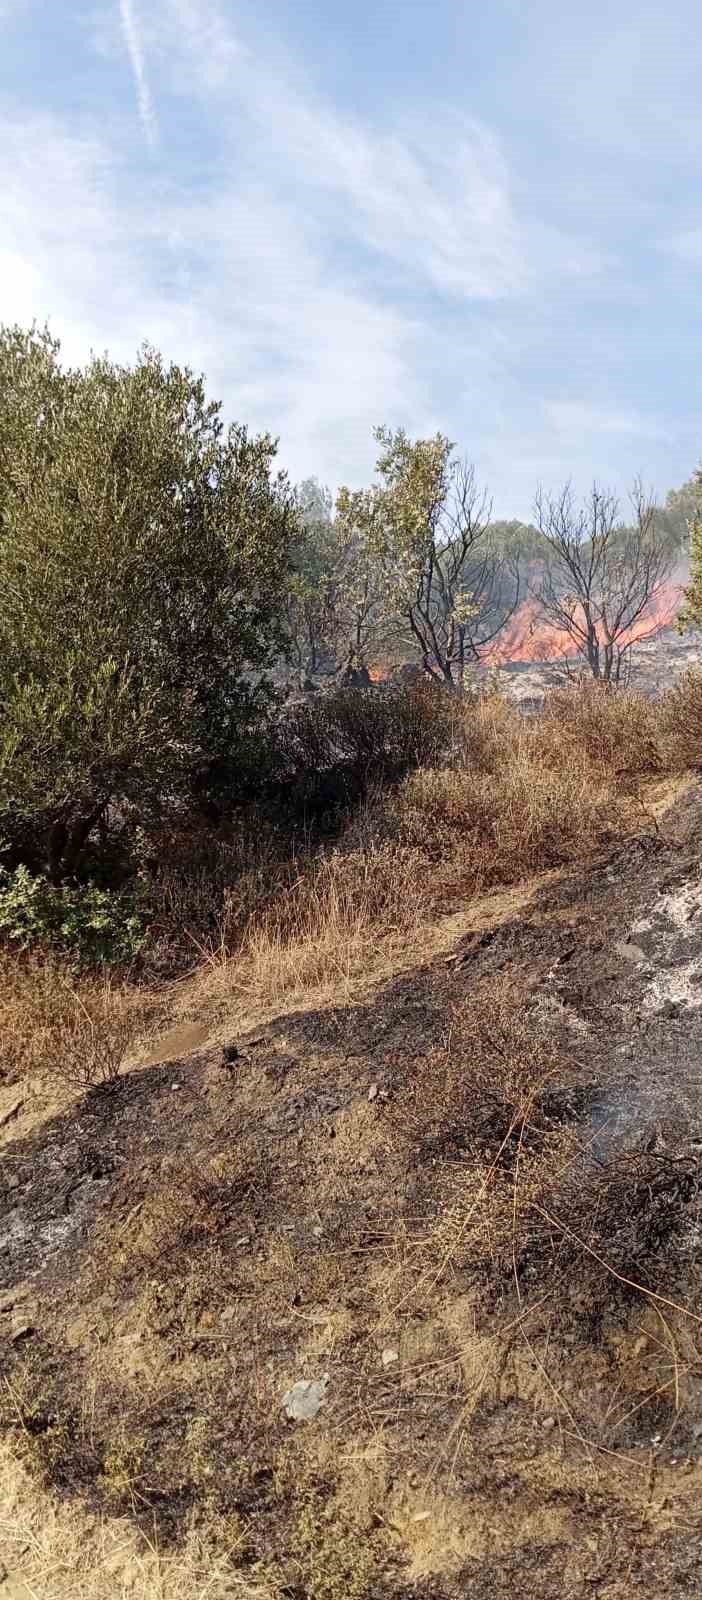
[310, 597]
[364, 618]
[691, 613]
[143, 555]
[675, 518]
[425, 563]
[601, 580]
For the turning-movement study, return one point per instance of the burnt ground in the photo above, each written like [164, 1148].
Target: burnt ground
[471, 1199]
[656, 664]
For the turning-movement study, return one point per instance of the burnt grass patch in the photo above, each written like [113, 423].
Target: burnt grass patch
[450, 1250]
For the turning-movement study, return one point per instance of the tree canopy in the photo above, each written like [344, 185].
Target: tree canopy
[143, 556]
[427, 562]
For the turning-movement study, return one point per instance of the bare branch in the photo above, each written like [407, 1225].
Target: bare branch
[601, 578]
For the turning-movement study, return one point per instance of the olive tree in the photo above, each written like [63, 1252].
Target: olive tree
[425, 561]
[312, 583]
[143, 555]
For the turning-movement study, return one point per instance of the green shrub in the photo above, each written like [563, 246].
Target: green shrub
[144, 555]
[87, 924]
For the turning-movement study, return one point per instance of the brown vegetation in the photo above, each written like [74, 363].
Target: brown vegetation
[392, 1180]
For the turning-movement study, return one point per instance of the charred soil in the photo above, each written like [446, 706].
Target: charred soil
[469, 1195]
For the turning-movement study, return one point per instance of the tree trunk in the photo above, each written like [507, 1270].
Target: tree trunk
[58, 839]
[67, 842]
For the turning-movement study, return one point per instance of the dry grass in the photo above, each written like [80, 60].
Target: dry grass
[517, 797]
[51, 1551]
[54, 1025]
[681, 723]
[489, 1306]
[460, 1224]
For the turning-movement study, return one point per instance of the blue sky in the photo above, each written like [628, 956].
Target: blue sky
[484, 218]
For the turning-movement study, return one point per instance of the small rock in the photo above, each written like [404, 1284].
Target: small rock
[8, 1112]
[548, 1423]
[373, 1092]
[631, 952]
[390, 1356]
[318, 1231]
[303, 1400]
[23, 1321]
[175, 1085]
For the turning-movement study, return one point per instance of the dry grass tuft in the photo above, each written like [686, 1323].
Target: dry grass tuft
[53, 1551]
[681, 723]
[615, 730]
[54, 1025]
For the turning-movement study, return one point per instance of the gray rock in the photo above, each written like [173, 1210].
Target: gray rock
[631, 952]
[302, 1402]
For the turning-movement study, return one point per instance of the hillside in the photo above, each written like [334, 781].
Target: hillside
[458, 1186]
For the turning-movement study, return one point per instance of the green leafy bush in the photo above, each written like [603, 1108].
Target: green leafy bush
[143, 558]
[88, 924]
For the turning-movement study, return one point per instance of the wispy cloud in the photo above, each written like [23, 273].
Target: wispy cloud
[332, 260]
[135, 50]
[576, 417]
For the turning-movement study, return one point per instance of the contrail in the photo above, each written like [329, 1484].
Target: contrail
[132, 39]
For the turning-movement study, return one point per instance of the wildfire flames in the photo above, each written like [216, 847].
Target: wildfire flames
[528, 637]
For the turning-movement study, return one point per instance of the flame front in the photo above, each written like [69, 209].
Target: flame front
[530, 637]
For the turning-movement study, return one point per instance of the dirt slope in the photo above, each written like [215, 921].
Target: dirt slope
[506, 1302]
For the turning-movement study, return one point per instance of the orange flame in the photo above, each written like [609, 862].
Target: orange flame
[528, 637]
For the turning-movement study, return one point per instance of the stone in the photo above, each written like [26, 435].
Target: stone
[390, 1356]
[23, 1321]
[373, 1092]
[302, 1402]
[631, 952]
[11, 1109]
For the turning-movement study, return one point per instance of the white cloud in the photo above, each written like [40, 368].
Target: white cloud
[203, 41]
[430, 195]
[325, 272]
[571, 417]
[241, 295]
[135, 50]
